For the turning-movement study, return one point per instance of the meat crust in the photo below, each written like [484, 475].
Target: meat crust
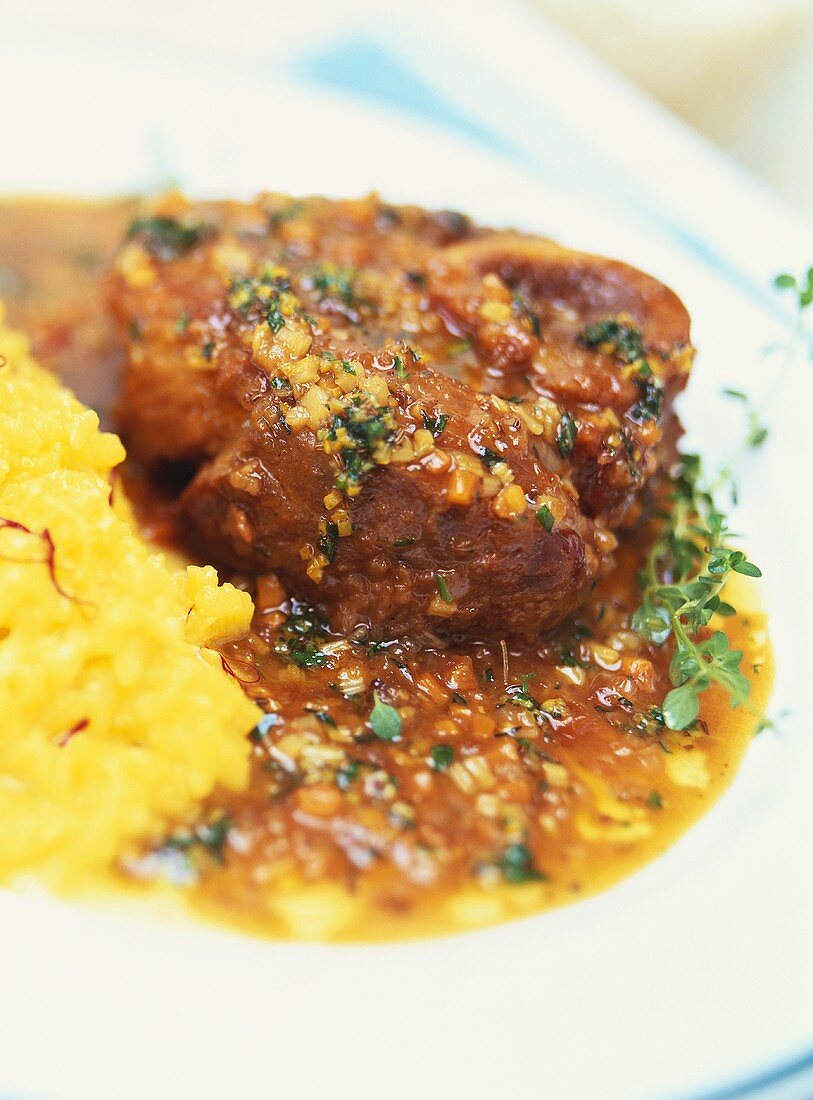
[425, 427]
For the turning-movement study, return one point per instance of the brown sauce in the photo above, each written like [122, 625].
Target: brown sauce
[524, 777]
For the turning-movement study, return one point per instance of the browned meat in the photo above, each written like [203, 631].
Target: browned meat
[424, 427]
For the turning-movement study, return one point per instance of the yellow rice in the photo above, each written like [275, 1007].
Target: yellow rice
[115, 720]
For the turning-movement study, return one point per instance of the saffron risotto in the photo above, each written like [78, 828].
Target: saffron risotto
[118, 720]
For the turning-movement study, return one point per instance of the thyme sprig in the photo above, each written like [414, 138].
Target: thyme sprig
[800, 291]
[682, 583]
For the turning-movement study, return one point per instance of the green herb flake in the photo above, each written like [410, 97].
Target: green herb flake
[625, 341]
[442, 757]
[566, 434]
[654, 800]
[166, 238]
[545, 517]
[329, 542]
[210, 837]
[517, 865]
[347, 774]
[443, 588]
[435, 422]
[385, 721]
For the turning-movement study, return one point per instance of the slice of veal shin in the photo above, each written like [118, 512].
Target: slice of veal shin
[306, 364]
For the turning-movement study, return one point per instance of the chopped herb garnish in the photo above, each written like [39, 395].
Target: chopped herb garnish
[400, 369]
[517, 865]
[210, 836]
[654, 800]
[273, 317]
[443, 588]
[650, 401]
[299, 637]
[166, 238]
[442, 757]
[347, 774]
[435, 422]
[524, 310]
[329, 542]
[355, 434]
[385, 721]
[566, 434]
[545, 517]
[624, 340]
[488, 457]
[335, 283]
[404, 542]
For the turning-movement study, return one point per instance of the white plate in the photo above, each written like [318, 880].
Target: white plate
[694, 975]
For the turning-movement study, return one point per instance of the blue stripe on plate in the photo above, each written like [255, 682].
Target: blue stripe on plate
[366, 68]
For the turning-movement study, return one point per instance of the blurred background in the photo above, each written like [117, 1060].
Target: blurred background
[739, 71]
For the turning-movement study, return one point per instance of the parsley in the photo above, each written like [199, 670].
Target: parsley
[524, 310]
[443, 588]
[347, 774]
[650, 401]
[566, 434]
[166, 238]
[623, 339]
[298, 638]
[273, 317]
[517, 865]
[357, 431]
[329, 542]
[209, 836]
[685, 573]
[545, 517]
[385, 721]
[336, 283]
[435, 422]
[260, 296]
[654, 801]
[488, 457]
[400, 369]
[442, 757]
